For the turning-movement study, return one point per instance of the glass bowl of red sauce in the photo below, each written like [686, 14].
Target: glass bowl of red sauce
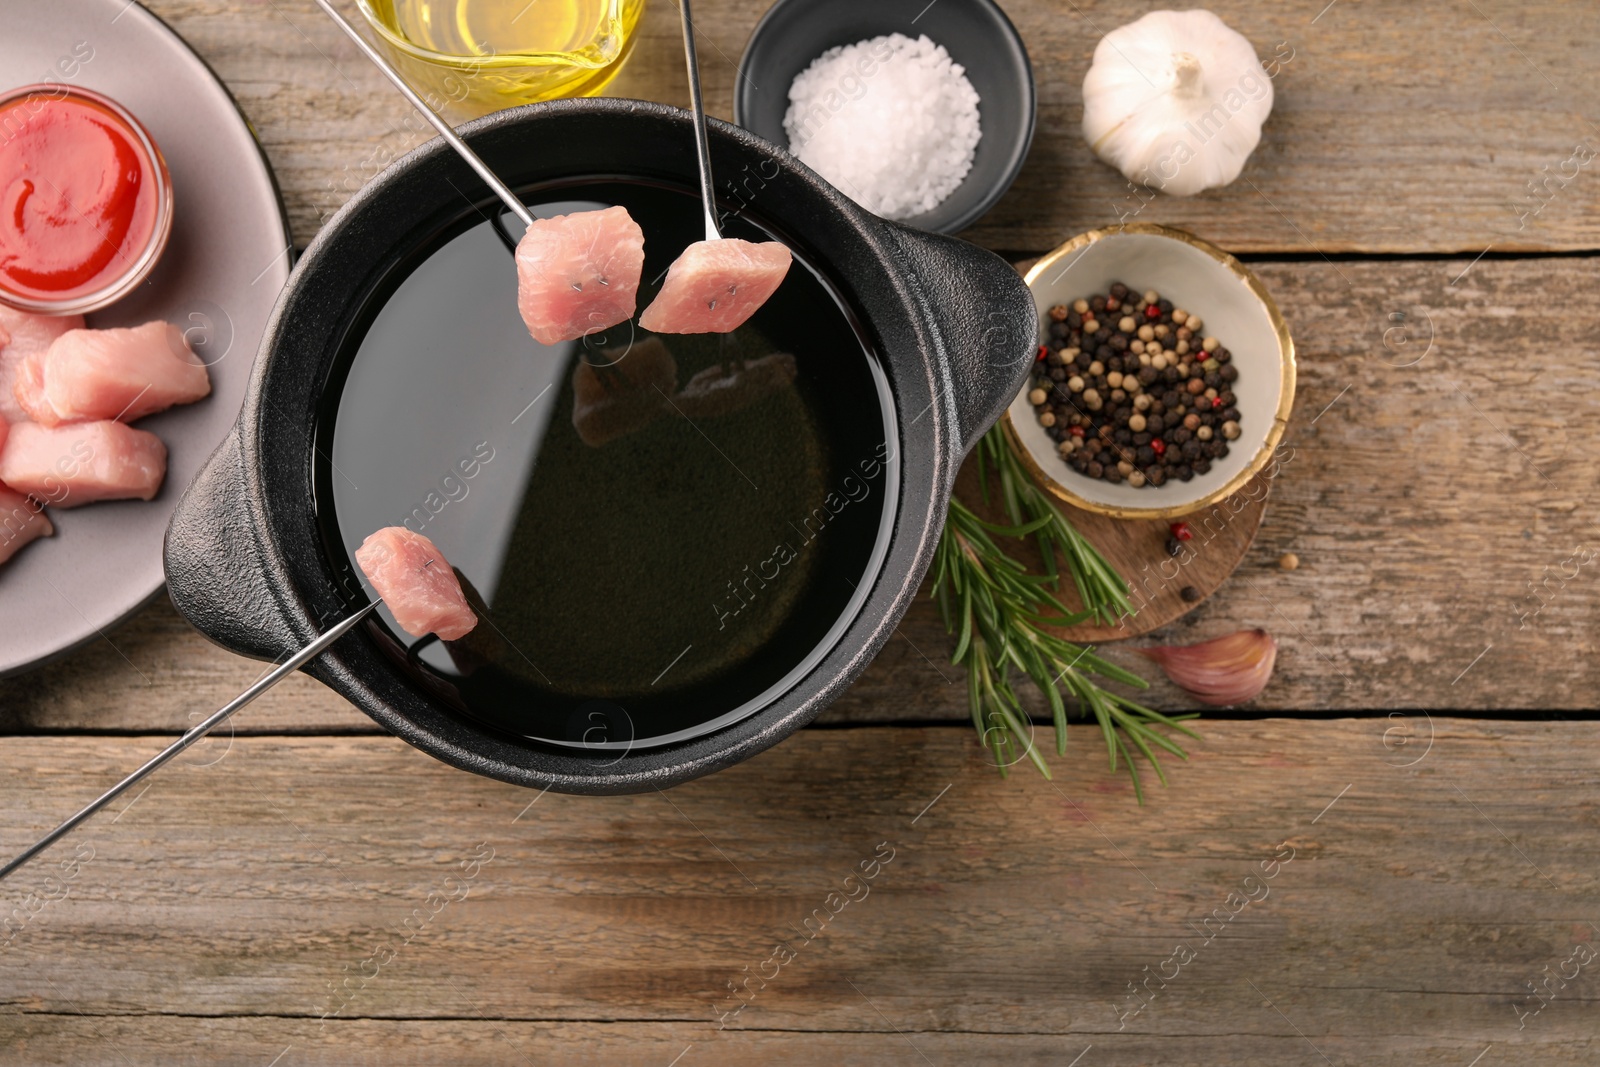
[85, 200]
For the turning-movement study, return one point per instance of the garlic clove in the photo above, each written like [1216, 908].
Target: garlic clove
[1223, 671]
[1175, 100]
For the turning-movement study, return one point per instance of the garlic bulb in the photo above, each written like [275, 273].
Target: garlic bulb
[1175, 100]
[1222, 671]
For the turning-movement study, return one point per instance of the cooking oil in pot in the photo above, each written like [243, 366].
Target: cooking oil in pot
[660, 533]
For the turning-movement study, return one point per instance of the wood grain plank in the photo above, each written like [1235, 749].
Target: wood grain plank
[1435, 508]
[292, 878]
[126, 1041]
[1393, 130]
[1435, 496]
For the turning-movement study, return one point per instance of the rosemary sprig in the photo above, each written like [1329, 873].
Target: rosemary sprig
[1100, 588]
[997, 610]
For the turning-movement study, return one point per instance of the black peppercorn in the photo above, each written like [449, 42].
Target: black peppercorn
[1190, 594]
[1126, 435]
[1174, 547]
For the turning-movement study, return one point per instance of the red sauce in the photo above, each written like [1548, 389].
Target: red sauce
[79, 197]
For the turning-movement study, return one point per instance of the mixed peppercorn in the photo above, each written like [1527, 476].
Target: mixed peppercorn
[1133, 390]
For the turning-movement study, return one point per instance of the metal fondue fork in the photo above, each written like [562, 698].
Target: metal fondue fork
[708, 189]
[195, 733]
[499, 187]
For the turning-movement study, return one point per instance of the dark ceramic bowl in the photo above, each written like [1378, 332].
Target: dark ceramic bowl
[948, 329]
[977, 35]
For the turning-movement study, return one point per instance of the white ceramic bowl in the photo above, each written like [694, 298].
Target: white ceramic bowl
[1234, 307]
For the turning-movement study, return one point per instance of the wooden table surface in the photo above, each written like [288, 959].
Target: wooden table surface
[1421, 779]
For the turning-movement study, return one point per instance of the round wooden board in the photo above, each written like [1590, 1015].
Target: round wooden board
[1137, 549]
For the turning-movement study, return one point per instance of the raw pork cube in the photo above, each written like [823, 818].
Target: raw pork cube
[21, 521]
[716, 285]
[80, 463]
[416, 583]
[122, 374]
[579, 274]
[21, 335]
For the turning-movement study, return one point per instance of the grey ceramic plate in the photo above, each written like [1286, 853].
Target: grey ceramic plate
[220, 275]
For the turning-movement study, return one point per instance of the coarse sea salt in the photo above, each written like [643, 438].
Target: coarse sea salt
[891, 121]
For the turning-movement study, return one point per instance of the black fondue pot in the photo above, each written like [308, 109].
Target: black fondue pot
[767, 501]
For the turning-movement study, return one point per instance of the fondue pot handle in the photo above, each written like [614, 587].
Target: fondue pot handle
[215, 573]
[987, 322]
